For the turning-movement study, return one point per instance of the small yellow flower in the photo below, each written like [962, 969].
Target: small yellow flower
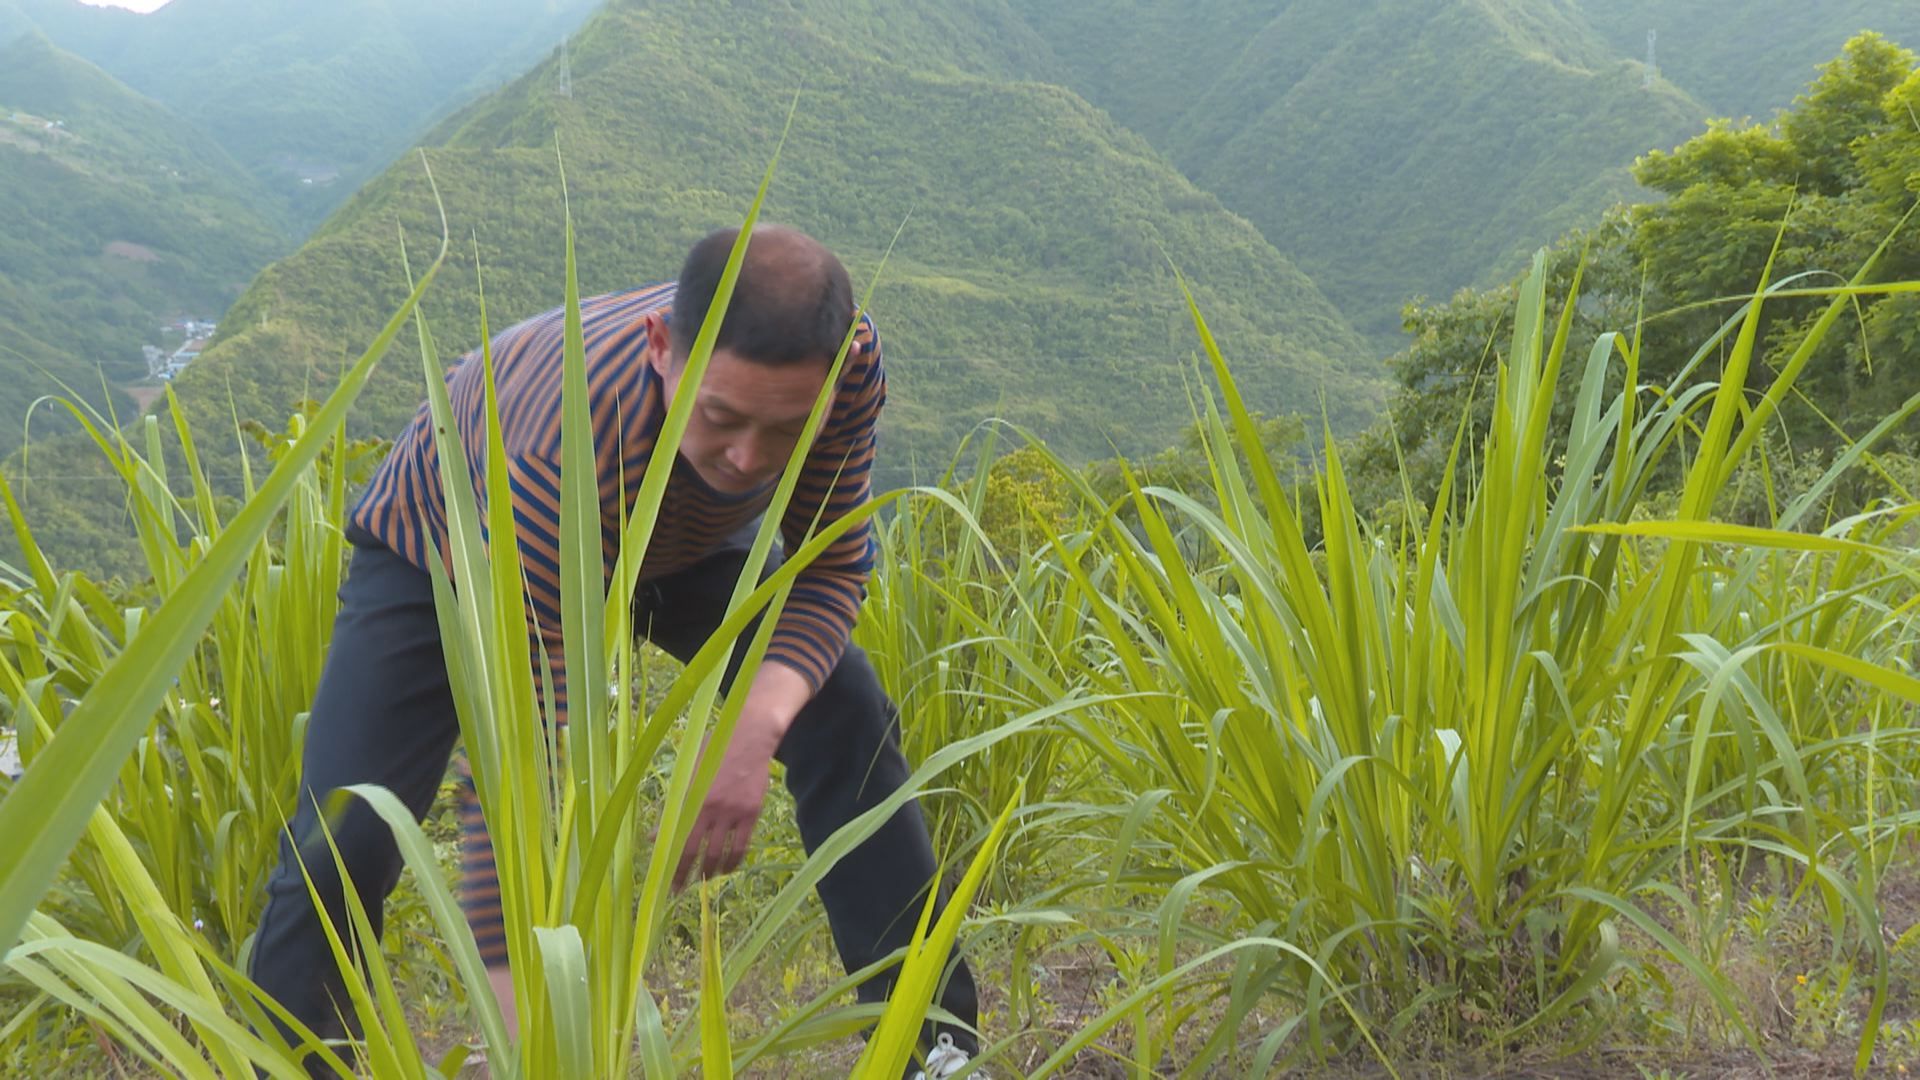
[1801, 979]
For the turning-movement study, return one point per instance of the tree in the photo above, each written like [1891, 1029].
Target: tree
[1830, 181]
[1842, 108]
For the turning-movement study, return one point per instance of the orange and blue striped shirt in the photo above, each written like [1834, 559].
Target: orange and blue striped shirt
[403, 506]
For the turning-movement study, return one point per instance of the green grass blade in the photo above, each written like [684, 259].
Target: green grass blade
[417, 851]
[568, 1003]
[898, 1033]
[50, 805]
[716, 1049]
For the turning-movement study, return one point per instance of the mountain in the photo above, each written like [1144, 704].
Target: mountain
[312, 98]
[1030, 278]
[1745, 58]
[13, 21]
[1393, 147]
[116, 216]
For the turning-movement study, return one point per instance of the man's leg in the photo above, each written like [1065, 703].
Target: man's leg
[842, 757]
[383, 714]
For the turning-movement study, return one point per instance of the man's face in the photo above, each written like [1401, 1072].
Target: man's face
[746, 417]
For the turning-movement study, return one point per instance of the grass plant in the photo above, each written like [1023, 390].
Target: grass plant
[1496, 775]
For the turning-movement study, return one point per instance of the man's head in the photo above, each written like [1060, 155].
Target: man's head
[790, 311]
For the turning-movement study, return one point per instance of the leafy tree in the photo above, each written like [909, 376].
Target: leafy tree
[1831, 180]
[1026, 499]
[1846, 104]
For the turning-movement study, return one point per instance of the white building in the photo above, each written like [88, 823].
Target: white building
[183, 356]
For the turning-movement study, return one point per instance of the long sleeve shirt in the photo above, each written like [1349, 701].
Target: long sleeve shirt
[403, 506]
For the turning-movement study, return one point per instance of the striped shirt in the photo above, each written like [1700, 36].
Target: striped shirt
[403, 507]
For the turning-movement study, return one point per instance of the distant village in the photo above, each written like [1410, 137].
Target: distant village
[163, 365]
[29, 120]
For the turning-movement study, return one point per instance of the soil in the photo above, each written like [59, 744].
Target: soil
[126, 249]
[144, 396]
[1792, 1065]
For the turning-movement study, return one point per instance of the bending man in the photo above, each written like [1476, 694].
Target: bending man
[384, 711]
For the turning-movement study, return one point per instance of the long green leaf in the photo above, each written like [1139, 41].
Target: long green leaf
[49, 807]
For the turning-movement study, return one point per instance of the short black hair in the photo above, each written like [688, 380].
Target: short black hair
[792, 303]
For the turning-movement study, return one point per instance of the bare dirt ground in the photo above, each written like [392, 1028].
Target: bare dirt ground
[126, 249]
[1634, 1064]
[144, 396]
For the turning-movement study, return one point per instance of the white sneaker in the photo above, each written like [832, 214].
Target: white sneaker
[948, 1061]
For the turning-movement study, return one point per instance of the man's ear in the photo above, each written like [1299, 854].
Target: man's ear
[659, 347]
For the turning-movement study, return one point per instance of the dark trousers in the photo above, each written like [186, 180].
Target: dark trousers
[384, 715]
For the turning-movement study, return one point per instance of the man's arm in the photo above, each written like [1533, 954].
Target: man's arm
[836, 480]
[813, 629]
[725, 824]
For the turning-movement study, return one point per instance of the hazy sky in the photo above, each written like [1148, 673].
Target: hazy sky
[137, 5]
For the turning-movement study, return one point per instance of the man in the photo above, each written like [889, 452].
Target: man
[384, 713]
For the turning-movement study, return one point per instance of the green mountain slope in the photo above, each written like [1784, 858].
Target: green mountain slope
[1745, 57]
[1392, 147]
[115, 216]
[311, 97]
[1030, 279]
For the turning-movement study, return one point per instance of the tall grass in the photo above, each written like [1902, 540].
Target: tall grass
[584, 900]
[1462, 760]
[142, 746]
[563, 825]
[1301, 797]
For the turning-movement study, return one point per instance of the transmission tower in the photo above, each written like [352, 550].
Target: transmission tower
[566, 72]
[1652, 71]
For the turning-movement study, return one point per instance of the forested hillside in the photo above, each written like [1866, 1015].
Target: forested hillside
[1830, 181]
[1393, 147]
[313, 98]
[1745, 58]
[1030, 278]
[114, 215]
[1313, 166]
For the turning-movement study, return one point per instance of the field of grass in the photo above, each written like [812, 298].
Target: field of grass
[1536, 774]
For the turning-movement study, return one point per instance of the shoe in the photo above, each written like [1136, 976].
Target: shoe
[948, 1062]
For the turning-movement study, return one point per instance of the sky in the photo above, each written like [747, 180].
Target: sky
[135, 5]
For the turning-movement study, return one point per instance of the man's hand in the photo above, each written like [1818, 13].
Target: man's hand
[725, 825]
